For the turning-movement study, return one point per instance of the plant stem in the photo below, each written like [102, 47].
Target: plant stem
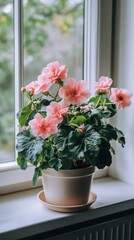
[98, 102]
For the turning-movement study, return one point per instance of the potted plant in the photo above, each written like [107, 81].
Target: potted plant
[65, 130]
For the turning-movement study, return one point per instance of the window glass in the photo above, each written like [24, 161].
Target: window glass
[6, 82]
[53, 30]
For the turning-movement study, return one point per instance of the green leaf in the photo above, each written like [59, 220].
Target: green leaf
[109, 111]
[104, 105]
[94, 118]
[37, 173]
[120, 137]
[66, 162]
[23, 115]
[48, 149]
[21, 161]
[44, 165]
[94, 99]
[103, 158]
[75, 143]
[97, 149]
[30, 146]
[55, 163]
[92, 140]
[31, 116]
[43, 102]
[109, 132]
[78, 120]
[61, 162]
[75, 148]
[34, 179]
[61, 141]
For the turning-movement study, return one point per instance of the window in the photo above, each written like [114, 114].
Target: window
[44, 27]
[86, 47]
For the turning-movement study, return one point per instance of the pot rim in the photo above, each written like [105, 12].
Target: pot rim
[80, 172]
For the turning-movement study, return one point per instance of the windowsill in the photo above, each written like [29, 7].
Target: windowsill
[23, 215]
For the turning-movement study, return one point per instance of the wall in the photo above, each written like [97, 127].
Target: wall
[123, 74]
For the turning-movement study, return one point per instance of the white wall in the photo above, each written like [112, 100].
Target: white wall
[123, 75]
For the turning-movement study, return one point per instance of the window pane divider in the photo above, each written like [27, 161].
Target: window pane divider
[91, 40]
[18, 57]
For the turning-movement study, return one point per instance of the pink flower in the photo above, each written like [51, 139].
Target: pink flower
[43, 127]
[85, 107]
[81, 128]
[57, 110]
[121, 97]
[55, 71]
[103, 84]
[42, 84]
[30, 87]
[74, 92]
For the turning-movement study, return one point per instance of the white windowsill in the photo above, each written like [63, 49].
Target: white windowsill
[13, 179]
[23, 215]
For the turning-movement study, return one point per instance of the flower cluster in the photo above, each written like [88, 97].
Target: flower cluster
[64, 125]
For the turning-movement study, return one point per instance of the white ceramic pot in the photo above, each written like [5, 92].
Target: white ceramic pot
[67, 187]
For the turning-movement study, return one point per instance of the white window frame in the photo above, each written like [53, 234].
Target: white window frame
[12, 178]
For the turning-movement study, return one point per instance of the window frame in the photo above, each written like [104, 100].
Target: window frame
[12, 178]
